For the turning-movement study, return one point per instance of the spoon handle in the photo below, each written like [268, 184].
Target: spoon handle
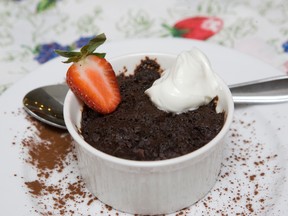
[269, 90]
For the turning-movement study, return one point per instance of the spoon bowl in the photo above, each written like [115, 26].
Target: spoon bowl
[46, 104]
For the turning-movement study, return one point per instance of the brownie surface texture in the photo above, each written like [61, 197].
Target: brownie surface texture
[138, 130]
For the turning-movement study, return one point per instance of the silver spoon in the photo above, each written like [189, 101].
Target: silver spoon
[46, 103]
[268, 90]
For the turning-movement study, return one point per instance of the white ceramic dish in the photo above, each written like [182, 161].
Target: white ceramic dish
[258, 134]
[158, 187]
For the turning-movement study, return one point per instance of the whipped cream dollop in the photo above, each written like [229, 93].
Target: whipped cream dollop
[188, 84]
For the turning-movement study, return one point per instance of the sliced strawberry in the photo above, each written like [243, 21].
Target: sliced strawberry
[92, 78]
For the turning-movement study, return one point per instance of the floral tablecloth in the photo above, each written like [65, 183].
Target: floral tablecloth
[30, 30]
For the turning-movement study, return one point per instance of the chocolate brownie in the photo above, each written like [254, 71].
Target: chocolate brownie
[137, 130]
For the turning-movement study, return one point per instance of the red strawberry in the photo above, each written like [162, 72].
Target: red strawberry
[92, 78]
[199, 27]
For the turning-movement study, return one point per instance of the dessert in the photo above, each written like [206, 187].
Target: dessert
[148, 187]
[138, 130]
[151, 114]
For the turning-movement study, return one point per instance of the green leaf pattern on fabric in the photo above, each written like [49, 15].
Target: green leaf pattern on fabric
[45, 4]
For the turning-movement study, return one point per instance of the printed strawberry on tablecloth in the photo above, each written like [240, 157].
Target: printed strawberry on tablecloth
[198, 27]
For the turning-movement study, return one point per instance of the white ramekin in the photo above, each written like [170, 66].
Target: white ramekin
[155, 187]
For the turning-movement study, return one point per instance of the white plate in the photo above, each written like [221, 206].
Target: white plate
[253, 177]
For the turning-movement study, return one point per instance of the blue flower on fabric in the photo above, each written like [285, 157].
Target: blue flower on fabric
[82, 41]
[45, 52]
[285, 46]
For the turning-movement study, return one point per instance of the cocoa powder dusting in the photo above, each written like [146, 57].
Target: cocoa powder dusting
[244, 182]
[50, 152]
[35, 187]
